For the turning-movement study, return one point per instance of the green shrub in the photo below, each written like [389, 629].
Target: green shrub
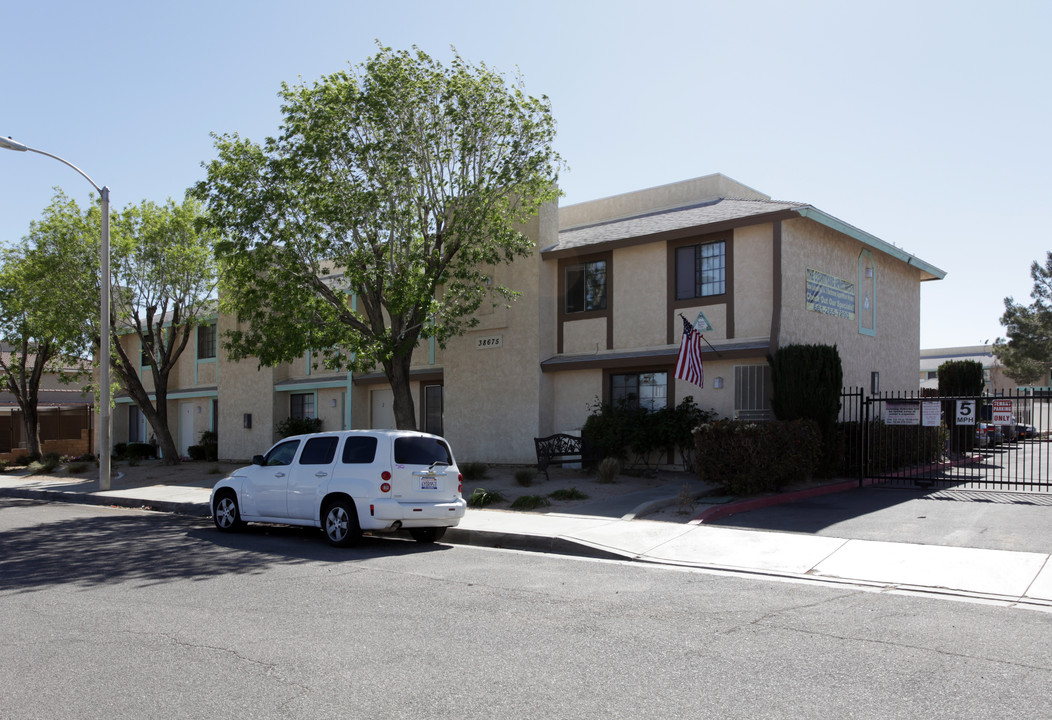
[474, 471]
[960, 378]
[298, 426]
[140, 451]
[480, 498]
[46, 464]
[530, 502]
[525, 476]
[567, 494]
[806, 381]
[76, 468]
[613, 431]
[210, 444]
[196, 452]
[120, 449]
[747, 458]
[609, 469]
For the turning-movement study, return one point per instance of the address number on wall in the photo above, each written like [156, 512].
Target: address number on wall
[492, 341]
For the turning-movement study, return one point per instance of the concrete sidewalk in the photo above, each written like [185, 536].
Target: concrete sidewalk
[999, 576]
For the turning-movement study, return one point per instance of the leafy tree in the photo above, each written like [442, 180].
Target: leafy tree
[164, 279]
[367, 224]
[46, 303]
[960, 378]
[1027, 353]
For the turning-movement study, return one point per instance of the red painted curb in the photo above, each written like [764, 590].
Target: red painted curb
[731, 508]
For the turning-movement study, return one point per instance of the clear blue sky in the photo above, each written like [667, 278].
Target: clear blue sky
[924, 123]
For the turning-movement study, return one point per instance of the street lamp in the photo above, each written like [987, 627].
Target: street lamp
[104, 313]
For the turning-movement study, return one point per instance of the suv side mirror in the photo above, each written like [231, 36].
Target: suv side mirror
[258, 460]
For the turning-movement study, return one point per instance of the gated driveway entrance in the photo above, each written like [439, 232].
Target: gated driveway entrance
[958, 443]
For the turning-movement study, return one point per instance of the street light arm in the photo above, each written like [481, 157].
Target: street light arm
[10, 144]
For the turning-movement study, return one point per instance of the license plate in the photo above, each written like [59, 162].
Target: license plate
[429, 483]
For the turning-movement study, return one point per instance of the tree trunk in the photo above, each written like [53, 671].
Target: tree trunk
[31, 425]
[397, 371]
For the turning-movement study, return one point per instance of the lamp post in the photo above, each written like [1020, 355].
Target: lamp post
[104, 312]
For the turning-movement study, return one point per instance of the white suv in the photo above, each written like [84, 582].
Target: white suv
[346, 482]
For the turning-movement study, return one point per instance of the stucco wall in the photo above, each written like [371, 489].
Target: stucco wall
[894, 350]
[753, 280]
[640, 295]
[493, 384]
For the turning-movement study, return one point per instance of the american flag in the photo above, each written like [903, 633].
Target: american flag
[688, 364]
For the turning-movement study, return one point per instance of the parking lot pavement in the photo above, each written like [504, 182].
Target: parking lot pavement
[990, 520]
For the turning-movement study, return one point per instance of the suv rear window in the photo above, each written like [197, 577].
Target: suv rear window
[421, 451]
[359, 450]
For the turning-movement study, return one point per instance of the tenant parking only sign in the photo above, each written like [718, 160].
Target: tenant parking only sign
[1002, 412]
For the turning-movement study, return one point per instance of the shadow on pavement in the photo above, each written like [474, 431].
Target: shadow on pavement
[155, 548]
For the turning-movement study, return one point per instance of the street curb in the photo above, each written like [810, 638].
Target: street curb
[529, 543]
[180, 508]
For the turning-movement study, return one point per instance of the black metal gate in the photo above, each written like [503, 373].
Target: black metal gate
[968, 443]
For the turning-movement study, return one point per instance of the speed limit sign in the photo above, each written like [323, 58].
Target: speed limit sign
[966, 412]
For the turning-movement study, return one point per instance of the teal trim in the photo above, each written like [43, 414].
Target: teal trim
[348, 402]
[307, 362]
[863, 285]
[872, 241]
[313, 385]
[431, 351]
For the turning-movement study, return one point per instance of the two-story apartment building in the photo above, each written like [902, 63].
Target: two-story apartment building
[599, 320]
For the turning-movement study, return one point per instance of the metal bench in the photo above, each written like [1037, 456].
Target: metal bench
[560, 448]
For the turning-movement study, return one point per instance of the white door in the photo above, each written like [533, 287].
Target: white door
[382, 404]
[186, 428]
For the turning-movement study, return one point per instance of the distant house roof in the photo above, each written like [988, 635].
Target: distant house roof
[714, 216]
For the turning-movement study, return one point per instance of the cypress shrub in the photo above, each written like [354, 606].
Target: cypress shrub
[806, 383]
[960, 378]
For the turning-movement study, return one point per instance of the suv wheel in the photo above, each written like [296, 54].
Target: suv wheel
[340, 523]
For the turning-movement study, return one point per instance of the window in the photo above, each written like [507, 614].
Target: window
[640, 390]
[433, 409]
[701, 270]
[752, 392]
[416, 450]
[359, 450]
[586, 287]
[135, 424]
[206, 342]
[319, 451]
[301, 405]
[282, 454]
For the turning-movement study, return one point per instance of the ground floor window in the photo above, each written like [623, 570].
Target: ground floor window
[433, 409]
[135, 429]
[301, 405]
[647, 390]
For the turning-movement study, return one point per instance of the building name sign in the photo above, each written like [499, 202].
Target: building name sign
[490, 341]
[830, 295]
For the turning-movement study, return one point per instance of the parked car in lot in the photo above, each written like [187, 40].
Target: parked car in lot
[1026, 432]
[345, 483]
[988, 434]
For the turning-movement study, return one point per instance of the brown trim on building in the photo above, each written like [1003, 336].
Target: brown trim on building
[776, 287]
[726, 298]
[562, 317]
[651, 360]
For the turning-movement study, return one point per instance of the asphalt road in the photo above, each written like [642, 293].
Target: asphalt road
[109, 613]
[978, 519]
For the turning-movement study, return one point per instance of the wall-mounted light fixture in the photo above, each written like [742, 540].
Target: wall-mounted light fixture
[332, 403]
[869, 272]
[197, 409]
[717, 383]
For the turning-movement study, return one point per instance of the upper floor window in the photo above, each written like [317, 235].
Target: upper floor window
[701, 270]
[586, 286]
[206, 342]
